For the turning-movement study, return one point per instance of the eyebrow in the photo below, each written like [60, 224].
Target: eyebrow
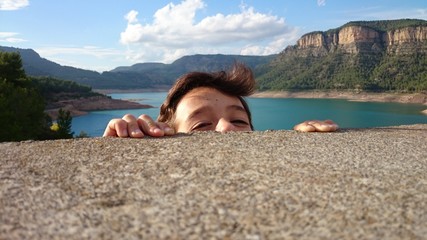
[208, 108]
[237, 107]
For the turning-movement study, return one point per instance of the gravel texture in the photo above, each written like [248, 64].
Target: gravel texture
[352, 184]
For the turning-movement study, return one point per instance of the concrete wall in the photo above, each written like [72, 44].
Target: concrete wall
[352, 184]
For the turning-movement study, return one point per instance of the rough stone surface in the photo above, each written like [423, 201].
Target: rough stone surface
[352, 184]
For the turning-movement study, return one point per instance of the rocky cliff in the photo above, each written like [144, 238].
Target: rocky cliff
[357, 39]
[365, 55]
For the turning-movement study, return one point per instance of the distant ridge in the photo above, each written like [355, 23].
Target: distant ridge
[141, 75]
[35, 65]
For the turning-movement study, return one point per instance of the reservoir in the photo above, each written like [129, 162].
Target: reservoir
[275, 113]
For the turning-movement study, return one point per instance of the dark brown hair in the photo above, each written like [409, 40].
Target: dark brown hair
[238, 81]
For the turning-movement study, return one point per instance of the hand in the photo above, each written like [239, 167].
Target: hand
[129, 126]
[317, 126]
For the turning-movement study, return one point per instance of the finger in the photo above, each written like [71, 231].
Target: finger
[166, 128]
[149, 126]
[334, 126]
[325, 126]
[320, 126]
[132, 126]
[330, 122]
[304, 127]
[116, 128]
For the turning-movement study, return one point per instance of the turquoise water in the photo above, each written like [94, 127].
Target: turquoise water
[276, 113]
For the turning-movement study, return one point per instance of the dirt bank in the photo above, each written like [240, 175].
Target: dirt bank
[136, 90]
[81, 106]
[418, 98]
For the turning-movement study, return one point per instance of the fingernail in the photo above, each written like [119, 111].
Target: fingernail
[123, 132]
[135, 132]
[156, 130]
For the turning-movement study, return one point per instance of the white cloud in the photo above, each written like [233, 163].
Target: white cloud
[273, 47]
[86, 57]
[131, 17]
[321, 3]
[10, 37]
[85, 50]
[7, 34]
[13, 4]
[421, 13]
[376, 13]
[175, 32]
[400, 14]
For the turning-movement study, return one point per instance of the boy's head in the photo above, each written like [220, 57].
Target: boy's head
[209, 99]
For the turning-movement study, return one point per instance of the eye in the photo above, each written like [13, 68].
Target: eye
[240, 122]
[203, 126]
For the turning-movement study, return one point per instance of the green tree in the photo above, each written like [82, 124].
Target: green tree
[21, 106]
[64, 124]
[11, 68]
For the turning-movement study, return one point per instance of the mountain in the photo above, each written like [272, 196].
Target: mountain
[141, 75]
[35, 65]
[198, 62]
[362, 55]
[166, 74]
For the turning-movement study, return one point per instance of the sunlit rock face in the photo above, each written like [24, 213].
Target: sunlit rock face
[357, 39]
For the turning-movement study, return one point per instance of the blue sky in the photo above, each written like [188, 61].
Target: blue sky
[103, 34]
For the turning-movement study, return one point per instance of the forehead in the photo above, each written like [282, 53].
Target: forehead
[204, 95]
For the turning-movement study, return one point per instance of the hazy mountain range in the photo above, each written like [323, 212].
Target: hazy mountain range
[141, 75]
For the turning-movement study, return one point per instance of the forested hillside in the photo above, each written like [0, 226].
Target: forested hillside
[53, 89]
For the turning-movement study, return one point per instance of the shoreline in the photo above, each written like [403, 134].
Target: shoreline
[82, 106]
[411, 98]
[415, 98]
[136, 90]
[404, 98]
